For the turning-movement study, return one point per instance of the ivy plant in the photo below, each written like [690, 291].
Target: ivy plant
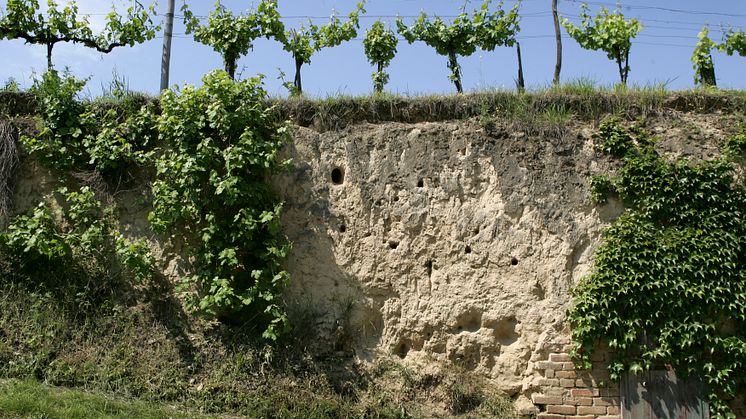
[607, 32]
[304, 41]
[25, 19]
[212, 191]
[704, 68]
[669, 283]
[232, 36]
[734, 42]
[380, 48]
[484, 29]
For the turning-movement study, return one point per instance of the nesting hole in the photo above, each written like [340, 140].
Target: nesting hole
[429, 267]
[396, 199]
[402, 350]
[514, 261]
[420, 183]
[393, 244]
[342, 228]
[467, 250]
[338, 176]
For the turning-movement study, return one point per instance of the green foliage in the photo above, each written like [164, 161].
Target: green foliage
[11, 85]
[734, 42]
[380, 48]
[122, 140]
[304, 41]
[76, 246]
[601, 187]
[24, 19]
[76, 135]
[669, 285]
[483, 29]
[735, 146]
[59, 144]
[233, 36]
[212, 188]
[608, 32]
[704, 68]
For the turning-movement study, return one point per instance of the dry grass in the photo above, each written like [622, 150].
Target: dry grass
[8, 164]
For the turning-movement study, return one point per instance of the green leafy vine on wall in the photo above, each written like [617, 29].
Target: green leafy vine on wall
[75, 247]
[213, 149]
[212, 188]
[669, 285]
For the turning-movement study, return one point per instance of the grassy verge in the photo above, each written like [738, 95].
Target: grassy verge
[31, 399]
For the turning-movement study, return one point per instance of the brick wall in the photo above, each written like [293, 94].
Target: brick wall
[568, 393]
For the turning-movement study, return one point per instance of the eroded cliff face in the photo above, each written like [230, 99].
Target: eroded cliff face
[451, 241]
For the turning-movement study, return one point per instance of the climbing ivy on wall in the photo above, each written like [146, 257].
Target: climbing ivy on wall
[669, 284]
[212, 189]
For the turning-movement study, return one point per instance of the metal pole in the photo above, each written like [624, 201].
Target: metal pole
[167, 35]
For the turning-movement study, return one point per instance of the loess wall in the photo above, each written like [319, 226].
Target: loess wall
[454, 241]
[459, 242]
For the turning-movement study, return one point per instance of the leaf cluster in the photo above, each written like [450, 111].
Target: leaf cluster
[380, 48]
[304, 41]
[608, 31]
[482, 29]
[734, 42]
[211, 188]
[74, 245]
[704, 68]
[84, 136]
[232, 36]
[24, 19]
[669, 284]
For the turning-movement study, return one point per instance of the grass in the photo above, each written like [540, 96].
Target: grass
[31, 399]
[536, 111]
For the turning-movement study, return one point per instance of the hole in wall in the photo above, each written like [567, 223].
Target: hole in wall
[429, 267]
[514, 261]
[342, 228]
[420, 183]
[338, 176]
[467, 250]
[396, 199]
[402, 350]
[393, 244]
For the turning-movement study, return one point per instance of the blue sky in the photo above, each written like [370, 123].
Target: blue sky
[660, 54]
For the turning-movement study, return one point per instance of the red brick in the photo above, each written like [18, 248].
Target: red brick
[555, 391]
[548, 365]
[567, 382]
[585, 382]
[581, 417]
[584, 392]
[584, 401]
[542, 399]
[565, 374]
[606, 401]
[560, 358]
[591, 410]
[549, 416]
[563, 410]
[567, 366]
[613, 410]
[552, 382]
